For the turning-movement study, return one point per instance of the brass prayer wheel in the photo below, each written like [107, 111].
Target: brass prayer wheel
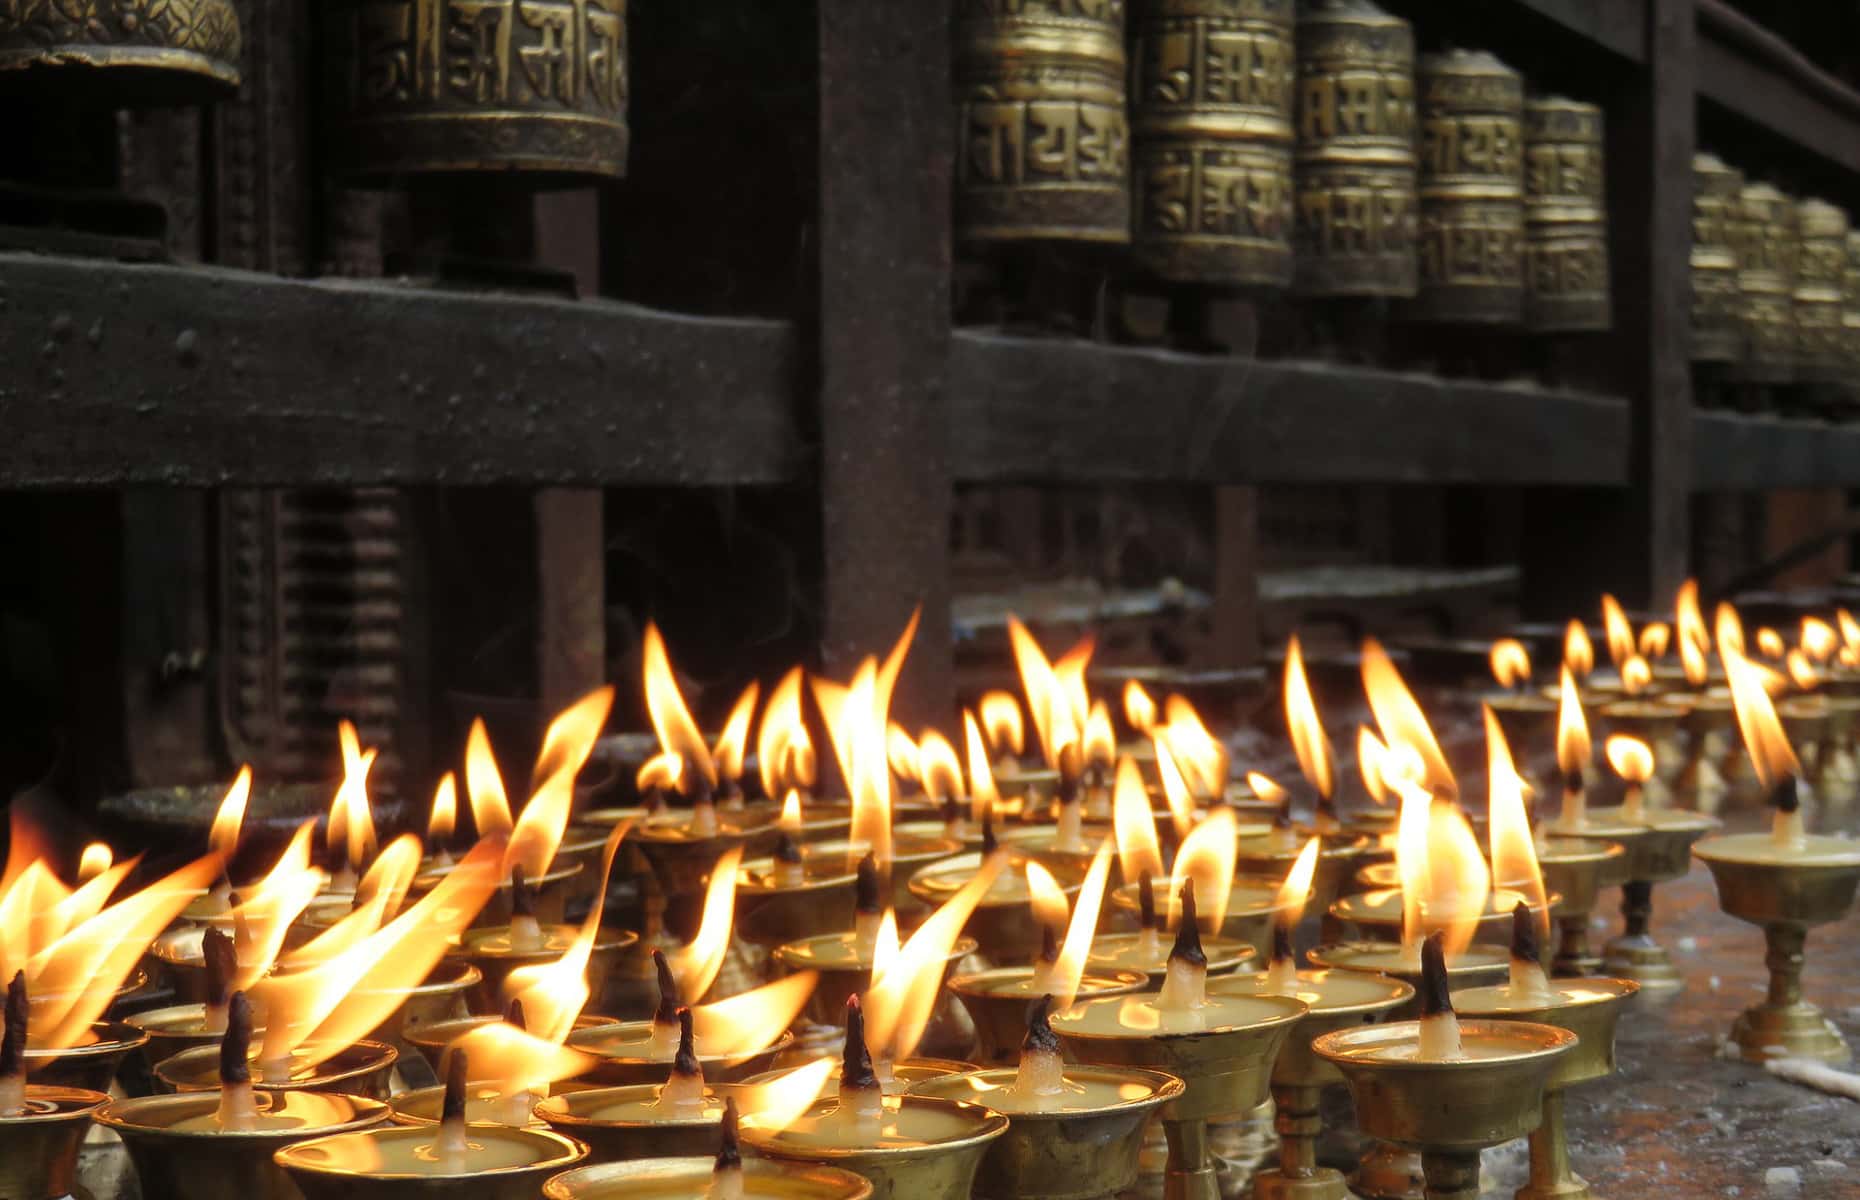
[1471, 110]
[1044, 147]
[1850, 312]
[1765, 237]
[1716, 333]
[1212, 132]
[1355, 191]
[1820, 276]
[1565, 225]
[132, 52]
[536, 87]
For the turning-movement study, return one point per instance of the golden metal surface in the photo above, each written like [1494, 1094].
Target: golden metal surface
[943, 1170]
[827, 1006]
[431, 1040]
[126, 52]
[361, 1069]
[494, 966]
[318, 1180]
[1211, 131]
[1356, 203]
[1850, 303]
[1471, 112]
[574, 1114]
[1716, 333]
[1001, 1017]
[692, 1176]
[91, 1067]
[1820, 276]
[1043, 149]
[1565, 222]
[1655, 722]
[1765, 231]
[39, 1148]
[476, 86]
[622, 1070]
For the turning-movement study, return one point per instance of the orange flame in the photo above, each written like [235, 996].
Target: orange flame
[779, 1103]
[1100, 739]
[1044, 696]
[1635, 675]
[1513, 849]
[1769, 747]
[1511, 662]
[1850, 628]
[1175, 790]
[1266, 788]
[1046, 897]
[1620, 632]
[1819, 641]
[982, 793]
[900, 1001]
[1295, 892]
[1400, 719]
[751, 1020]
[697, 964]
[1207, 856]
[790, 822]
[1001, 720]
[857, 718]
[267, 910]
[1689, 619]
[784, 752]
[1139, 708]
[1198, 754]
[351, 823]
[1692, 658]
[1573, 749]
[484, 785]
[1138, 854]
[1411, 858]
[1069, 672]
[733, 742]
[1064, 979]
[1770, 644]
[671, 720]
[1656, 637]
[97, 859]
[566, 745]
[1630, 757]
[941, 769]
[1458, 880]
[553, 994]
[901, 753]
[1372, 762]
[885, 943]
[445, 815]
[223, 838]
[1802, 672]
[51, 923]
[514, 1061]
[377, 897]
[660, 773]
[1315, 757]
[1729, 628]
[1578, 650]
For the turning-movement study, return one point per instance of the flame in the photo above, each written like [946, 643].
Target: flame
[1573, 749]
[1066, 973]
[1372, 758]
[553, 994]
[697, 964]
[1763, 733]
[50, 924]
[223, 838]
[316, 1012]
[267, 909]
[1175, 790]
[1620, 632]
[1295, 892]
[939, 766]
[1802, 672]
[901, 753]
[784, 752]
[1635, 675]
[566, 745]
[1100, 739]
[1458, 880]
[1400, 719]
[790, 821]
[1509, 839]
[779, 1103]
[1729, 628]
[515, 1061]
[1069, 671]
[97, 859]
[858, 720]
[660, 773]
[1578, 650]
[1315, 757]
[1139, 708]
[1411, 857]
[671, 720]
[885, 943]
[983, 797]
[752, 1020]
[1045, 699]
[1207, 856]
[1267, 788]
[900, 1001]
[445, 815]
[377, 897]
[1138, 854]
[1630, 757]
[1001, 720]
[1198, 754]
[484, 785]
[1819, 641]
[1511, 662]
[1656, 637]
[351, 823]
[1692, 658]
[733, 742]
[1770, 644]
[74, 978]
[1046, 897]
[1850, 628]
[1689, 619]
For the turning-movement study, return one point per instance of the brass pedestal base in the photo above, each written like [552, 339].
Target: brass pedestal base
[1321, 1183]
[1387, 1172]
[1551, 1176]
[1299, 1119]
[1635, 955]
[1798, 1029]
[1451, 1176]
[1190, 1174]
[1573, 955]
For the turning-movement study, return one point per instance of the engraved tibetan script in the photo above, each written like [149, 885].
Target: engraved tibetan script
[546, 54]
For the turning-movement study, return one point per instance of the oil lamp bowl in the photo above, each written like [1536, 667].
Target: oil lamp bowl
[1658, 851]
[997, 1001]
[339, 1167]
[905, 1073]
[487, 950]
[689, 1179]
[176, 957]
[1479, 965]
[39, 1150]
[1577, 869]
[552, 889]
[1655, 722]
[1373, 998]
[212, 1164]
[829, 821]
[1338, 858]
[621, 1069]
[589, 1115]
[430, 1041]
[1018, 782]
[1528, 719]
[89, 1067]
[1251, 907]
[1796, 892]
[770, 913]
[1003, 924]
[681, 861]
[1588, 1008]
[843, 973]
[1805, 720]
[909, 855]
[363, 1069]
[426, 1106]
[1118, 952]
[1462, 1106]
[938, 1169]
[174, 1029]
[1077, 1154]
[1377, 916]
[443, 997]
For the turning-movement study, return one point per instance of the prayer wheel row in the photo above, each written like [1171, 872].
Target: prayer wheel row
[1775, 282]
[1263, 144]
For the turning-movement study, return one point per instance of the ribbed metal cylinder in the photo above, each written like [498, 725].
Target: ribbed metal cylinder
[1355, 159]
[1765, 290]
[470, 87]
[1044, 138]
[1850, 310]
[1716, 331]
[1471, 112]
[1565, 221]
[1820, 275]
[1212, 140]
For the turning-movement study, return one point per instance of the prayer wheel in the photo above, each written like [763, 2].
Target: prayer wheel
[537, 88]
[1565, 223]
[1716, 333]
[1355, 197]
[1765, 291]
[1212, 135]
[1044, 151]
[1820, 276]
[1850, 311]
[132, 53]
[1471, 110]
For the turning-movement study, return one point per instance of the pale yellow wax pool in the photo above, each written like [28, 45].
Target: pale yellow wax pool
[1322, 990]
[1140, 1016]
[770, 874]
[1009, 887]
[1503, 998]
[553, 939]
[1146, 951]
[485, 1104]
[1402, 1044]
[278, 1111]
[633, 1039]
[997, 1090]
[1397, 960]
[707, 1111]
[1386, 904]
[1032, 986]
[900, 1125]
[1814, 851]
[839, 952]
[400, 1155]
